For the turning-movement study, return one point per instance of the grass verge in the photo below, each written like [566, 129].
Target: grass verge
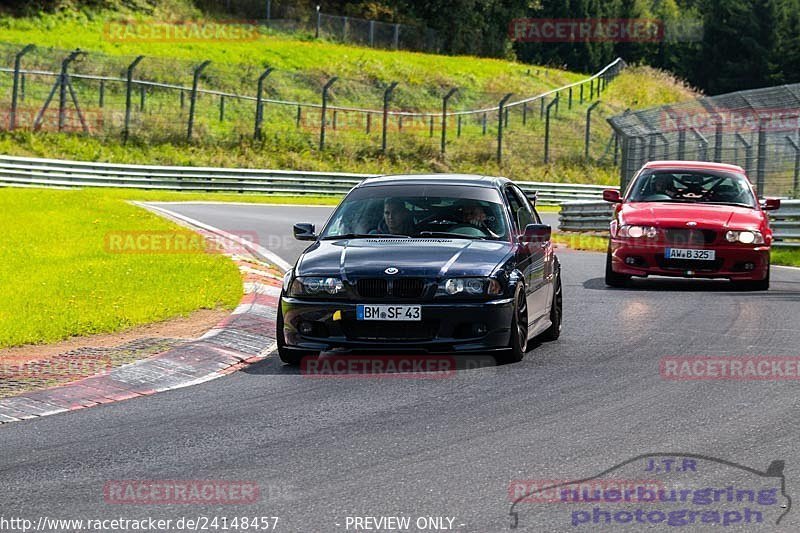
[60, 280]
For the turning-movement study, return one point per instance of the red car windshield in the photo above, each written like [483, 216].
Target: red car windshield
[721, 188]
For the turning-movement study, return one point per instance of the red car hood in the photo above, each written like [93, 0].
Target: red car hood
[678, 214]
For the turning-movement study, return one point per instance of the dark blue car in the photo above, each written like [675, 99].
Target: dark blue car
[433, 263]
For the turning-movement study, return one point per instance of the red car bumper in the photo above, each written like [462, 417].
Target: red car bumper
[735, 262]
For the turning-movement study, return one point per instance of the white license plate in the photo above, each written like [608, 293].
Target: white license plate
[691, 254]
[389, 312]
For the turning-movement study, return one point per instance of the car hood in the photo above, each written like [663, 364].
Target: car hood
[678, 214]
[428, 258]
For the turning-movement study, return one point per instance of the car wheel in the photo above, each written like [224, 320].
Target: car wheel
[554, 331]
[757, 285]
[612, 278]
[288, 356]
[519, 332]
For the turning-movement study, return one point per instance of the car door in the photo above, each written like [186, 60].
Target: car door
[540, 273]
[523, 250]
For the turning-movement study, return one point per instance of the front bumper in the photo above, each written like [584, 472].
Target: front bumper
[734, 262]
[445, 326]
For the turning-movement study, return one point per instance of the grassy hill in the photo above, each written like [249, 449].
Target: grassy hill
[302, 65]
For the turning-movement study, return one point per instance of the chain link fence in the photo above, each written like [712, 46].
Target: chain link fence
[758, 130]
[149, 99]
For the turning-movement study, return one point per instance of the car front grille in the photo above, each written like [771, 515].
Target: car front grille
[689, 236]
[360, 330]
[394, 288]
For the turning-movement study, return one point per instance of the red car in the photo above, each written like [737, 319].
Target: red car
[690, 219]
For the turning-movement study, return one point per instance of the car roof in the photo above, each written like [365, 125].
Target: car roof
[704, 165]
[468, 180]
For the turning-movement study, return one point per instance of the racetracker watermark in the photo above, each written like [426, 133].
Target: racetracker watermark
[58, 368]
[545, 30]
[167, 492]
[180, 31]
[763, 368]
[372, 366]
[178, 242]
[569, 491]
[731, 120]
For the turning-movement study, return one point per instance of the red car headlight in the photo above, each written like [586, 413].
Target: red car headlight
[745, 237]
[637, 232]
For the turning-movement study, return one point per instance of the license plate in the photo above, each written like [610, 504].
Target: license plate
[389, 312]
[691, 254]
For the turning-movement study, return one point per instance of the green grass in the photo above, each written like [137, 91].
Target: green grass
[59, 280]
[786, 256]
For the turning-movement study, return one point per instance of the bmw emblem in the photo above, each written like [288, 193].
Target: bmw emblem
[691, 224]
[391, 270]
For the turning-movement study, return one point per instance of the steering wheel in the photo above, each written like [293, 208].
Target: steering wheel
[467, 230]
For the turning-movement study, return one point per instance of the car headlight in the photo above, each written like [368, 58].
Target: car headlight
[316, 286]
[745, 237]
[469, 287]
[637, 232]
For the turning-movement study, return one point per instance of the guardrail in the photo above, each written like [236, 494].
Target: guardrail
[24, 171]
[596, 215]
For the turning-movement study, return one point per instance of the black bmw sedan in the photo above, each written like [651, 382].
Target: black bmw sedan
[433, 263]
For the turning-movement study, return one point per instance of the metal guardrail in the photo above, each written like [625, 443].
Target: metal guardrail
[595, 216]
[24, 171]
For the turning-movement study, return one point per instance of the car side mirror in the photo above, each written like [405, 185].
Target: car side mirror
[771, 204]
[612, 195]
[536, 233]
[304, 232]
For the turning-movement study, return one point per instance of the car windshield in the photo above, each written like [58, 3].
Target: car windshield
[384, 212]
[726, 188]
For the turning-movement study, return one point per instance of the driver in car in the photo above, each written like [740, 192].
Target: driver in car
[664, 184]
[396, 218]
[473, 214]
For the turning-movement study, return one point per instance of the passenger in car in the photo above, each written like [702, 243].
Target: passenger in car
[396, 218]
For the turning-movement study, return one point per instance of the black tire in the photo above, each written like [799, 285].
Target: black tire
[556, 312]
[288, 356]
[612, 278]
[757, 285]
[519, 332]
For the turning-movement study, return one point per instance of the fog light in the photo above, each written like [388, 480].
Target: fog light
[630, 260]
[749, 266]
[306, 328]
[479, 329]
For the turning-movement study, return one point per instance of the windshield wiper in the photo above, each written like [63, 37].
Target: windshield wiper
[447, 234]
[364, 236]
[738, 204]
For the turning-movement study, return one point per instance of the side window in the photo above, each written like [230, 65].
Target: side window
[524, 214]
[526, 202]
[515, 206]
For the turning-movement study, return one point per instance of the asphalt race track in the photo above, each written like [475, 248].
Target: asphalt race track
[323, 450]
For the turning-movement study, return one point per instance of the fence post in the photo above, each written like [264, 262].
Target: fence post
[62, 95]
[500, 106]
[581, 97]
[193, 99]
[299, 117]
[446, 98]
[703, 143]
[324, 108]
[396, 36]
[183, 98]
[762, 157]
[344, 28]
[260, 104]
[748, 152]
[547, 129]
[221, 107]
[796, 179]
[484, 123]
[681, 144]
[591, 89]
[335, 115]
[101, 98]
[616, 148]
[12, 119]
[387, 96]
[541, 107]
[524, 113]
[372, 33]
[588, 130]
[319, 22]
[718, 142]
[458, 128]
[569, 101]
[369, 122]
[142, 92]
[128, 88]
[431, 126]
